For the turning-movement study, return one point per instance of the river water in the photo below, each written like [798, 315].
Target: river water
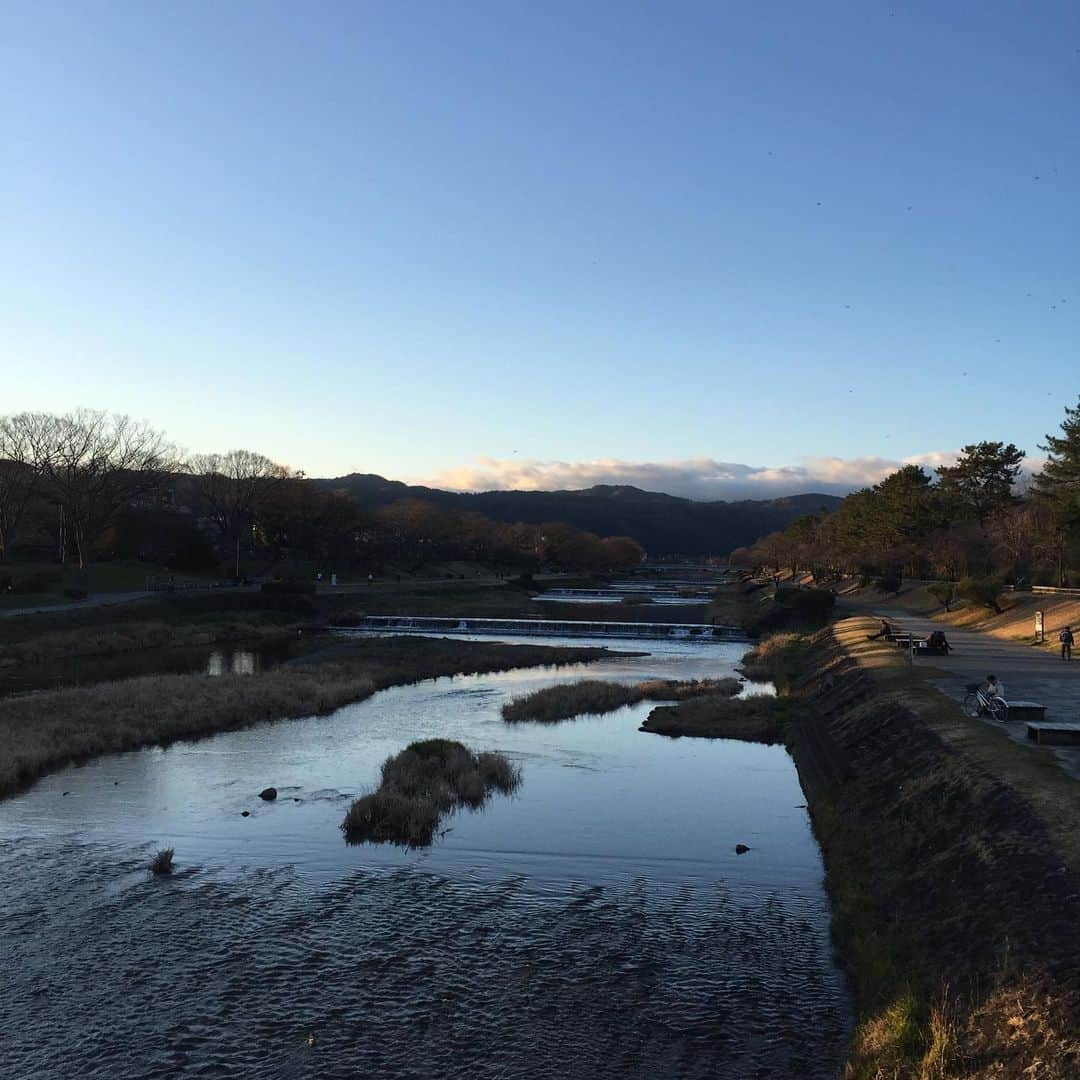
[597, 923]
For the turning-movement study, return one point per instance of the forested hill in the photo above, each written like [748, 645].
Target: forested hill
[662, 524]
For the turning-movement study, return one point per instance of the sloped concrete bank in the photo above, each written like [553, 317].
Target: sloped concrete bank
[956, 909]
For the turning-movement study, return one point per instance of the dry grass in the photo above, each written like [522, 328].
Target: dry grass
[44, 731]
[594, 696]
[676, 690]
[752, 719]
[135, 636]
[162, 862]
[772, 659]
[422, 784]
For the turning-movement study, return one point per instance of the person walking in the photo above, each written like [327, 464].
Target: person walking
[1066, 639]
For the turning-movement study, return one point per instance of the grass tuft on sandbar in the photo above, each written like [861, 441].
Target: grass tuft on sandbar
[162, 862]
[594, 696]
[752, 719]
[422, 784]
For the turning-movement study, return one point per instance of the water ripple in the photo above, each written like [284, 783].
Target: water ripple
[406, 973]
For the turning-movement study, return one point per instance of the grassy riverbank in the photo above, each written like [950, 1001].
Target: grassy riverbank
[753, 719]
[42, 732]
[952, 865]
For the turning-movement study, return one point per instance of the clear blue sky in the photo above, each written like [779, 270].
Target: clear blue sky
[394, 236]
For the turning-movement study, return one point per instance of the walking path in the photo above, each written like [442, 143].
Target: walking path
[1028, 674]
[96, 600]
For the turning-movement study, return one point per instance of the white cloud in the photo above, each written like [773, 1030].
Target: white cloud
[695, 478]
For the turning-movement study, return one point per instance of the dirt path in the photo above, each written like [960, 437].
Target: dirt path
[1029, 674]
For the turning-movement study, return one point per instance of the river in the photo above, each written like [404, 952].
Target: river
[597, 923]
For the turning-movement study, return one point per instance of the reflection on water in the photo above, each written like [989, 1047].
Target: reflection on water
[598, 923]
[233, 662]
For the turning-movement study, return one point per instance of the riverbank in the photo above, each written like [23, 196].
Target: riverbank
[184, 620]
[953, 865]
[45, 731]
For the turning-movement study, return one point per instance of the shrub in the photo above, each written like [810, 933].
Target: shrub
[38, 582]
[75, 594]
[162, 862]
[804, 609]
[944, 592]
[774, 659]
[890, 582]
[425, 781]
[193, 554]
[983, 591]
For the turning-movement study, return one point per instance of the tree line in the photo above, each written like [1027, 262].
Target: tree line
[89, 485]
[968, 521]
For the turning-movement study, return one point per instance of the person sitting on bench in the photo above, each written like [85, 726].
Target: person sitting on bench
[937, 643]
[886, 631]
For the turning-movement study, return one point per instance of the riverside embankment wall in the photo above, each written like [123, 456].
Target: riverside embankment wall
[947, 863]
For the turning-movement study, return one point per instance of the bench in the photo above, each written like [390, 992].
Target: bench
[1027, 710]
[923, 649]
[1054, 734]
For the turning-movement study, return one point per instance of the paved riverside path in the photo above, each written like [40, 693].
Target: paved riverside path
[94, 600]
[1029, 674]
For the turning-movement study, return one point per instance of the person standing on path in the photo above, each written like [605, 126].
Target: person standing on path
[1066, 639]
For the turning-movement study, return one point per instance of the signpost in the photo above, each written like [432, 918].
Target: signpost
[1040, 637]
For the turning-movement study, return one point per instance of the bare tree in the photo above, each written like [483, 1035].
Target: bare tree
[235, 488]
[91, 464]
[18, 485]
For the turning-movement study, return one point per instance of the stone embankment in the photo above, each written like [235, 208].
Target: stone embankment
[956, 894]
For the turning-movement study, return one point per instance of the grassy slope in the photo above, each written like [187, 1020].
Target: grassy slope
[949, 854]
[1015, 623]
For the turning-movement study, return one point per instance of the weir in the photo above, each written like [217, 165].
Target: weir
[424, 624]
[615, 596]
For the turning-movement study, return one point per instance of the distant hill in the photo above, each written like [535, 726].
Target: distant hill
[662, 524]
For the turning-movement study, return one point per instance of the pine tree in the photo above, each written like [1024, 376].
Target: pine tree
[981, 482]
[1058, 485]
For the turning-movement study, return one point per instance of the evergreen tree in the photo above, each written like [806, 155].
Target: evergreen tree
[981, 482]
[1058, 485]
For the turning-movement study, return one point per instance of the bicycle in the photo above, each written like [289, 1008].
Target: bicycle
[978, 703]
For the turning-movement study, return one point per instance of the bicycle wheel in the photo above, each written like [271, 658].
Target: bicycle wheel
[970, 705]
[998, 710]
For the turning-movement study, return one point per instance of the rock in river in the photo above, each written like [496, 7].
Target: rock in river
[741, 849]
[269, 794]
